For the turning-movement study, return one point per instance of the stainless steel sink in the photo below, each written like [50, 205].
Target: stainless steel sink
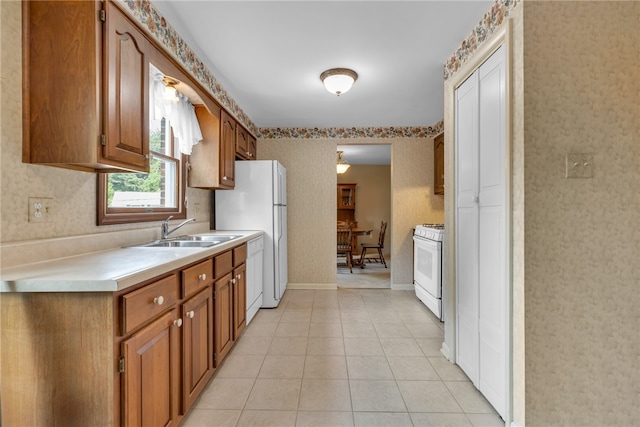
[201, 241]
[178, 244]
[218, 238]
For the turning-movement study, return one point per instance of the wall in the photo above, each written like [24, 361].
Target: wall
[373, 199]
[575, 72]
[73, 192]
[311, 187]
[582, 301]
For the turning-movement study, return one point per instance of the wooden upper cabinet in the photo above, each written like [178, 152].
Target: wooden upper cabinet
[253, 148]
[245, 144]
[227, 151]
[212, 160]
[346, 196]
[242, 143]
[127, 91]
[85, 85]
[438, 167]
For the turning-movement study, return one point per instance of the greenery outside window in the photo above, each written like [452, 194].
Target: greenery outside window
[138, 197]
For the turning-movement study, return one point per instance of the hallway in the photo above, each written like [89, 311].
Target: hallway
[347, 357]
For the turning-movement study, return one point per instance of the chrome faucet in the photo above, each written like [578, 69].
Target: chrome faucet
[165, 226]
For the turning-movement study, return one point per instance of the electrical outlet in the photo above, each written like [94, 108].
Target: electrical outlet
[40, 209]
[579, 166]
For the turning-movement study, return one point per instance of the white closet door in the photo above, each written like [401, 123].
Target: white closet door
[466, 227]
[481, 278]
[491, 226]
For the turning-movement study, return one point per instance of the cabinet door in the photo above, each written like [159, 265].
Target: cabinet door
[253, 148]
[482, 270]
[346, 196]
[223, 320]
[149, 380]
[197, 345]
[126, 86]
[227, 151]
[242, 143]
[239, 300]
[62, 107]
[438, 164]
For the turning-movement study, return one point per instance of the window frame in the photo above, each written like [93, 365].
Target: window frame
[110, 216]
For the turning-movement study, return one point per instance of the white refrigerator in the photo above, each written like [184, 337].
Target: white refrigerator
[259, 202]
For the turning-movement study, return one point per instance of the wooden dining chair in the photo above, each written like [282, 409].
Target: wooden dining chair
[344, 248]
[379, 246]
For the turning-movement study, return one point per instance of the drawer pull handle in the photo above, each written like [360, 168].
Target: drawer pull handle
[190, 314]
[178, 322]
[203, 276]
[158, 300]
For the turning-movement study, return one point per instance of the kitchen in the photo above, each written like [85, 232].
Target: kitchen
[74, 200]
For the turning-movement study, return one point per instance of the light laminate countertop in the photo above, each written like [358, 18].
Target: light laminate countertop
[110, 270]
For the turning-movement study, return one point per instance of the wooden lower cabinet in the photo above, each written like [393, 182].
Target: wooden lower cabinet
[223, 307]
[138, 357]
[239, 300]
[149, 378]
[197, 346]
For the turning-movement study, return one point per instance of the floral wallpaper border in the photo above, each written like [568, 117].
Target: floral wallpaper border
[354, 132]
[149, 17]
[487, 26]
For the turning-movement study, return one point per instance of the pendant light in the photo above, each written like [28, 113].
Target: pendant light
[342, 165]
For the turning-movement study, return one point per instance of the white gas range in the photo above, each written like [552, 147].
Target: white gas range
[427, 265]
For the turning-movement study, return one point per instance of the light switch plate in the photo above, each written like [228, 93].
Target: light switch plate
[579, 166]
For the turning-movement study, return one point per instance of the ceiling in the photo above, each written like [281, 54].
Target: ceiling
[366, 154]
[268, 55]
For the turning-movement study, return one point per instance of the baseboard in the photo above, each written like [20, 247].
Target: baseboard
[402, 287]
[446, 351]
[312, 286]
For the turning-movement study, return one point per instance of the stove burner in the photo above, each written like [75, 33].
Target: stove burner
[436, 226]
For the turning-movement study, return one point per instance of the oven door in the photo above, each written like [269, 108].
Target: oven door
[427, 273]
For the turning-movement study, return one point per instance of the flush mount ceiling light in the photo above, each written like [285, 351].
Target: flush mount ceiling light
[170, 93]
[338, 80]
[342, 165]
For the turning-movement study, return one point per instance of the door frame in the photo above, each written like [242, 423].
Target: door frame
[501, 37]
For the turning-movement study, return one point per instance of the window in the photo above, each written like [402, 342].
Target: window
[139, 197]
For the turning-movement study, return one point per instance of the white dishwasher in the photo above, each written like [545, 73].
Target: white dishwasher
[254, 263]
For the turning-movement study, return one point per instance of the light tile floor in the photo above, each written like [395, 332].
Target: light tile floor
[346, 357]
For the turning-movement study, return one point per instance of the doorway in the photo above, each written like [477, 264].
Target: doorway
[368, 181]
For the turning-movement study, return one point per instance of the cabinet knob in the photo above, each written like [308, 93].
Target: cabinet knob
[190, 314]
[158, 300]
[178, 322]
[224, 178]
[203, 276]
[238, 276]
[233, 281]
[475, 199]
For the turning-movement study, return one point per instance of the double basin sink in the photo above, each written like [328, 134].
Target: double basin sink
[196, 241]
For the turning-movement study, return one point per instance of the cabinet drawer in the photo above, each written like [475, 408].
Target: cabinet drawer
[197, 277]
[239, 255]
[223, 264]
[143, 304]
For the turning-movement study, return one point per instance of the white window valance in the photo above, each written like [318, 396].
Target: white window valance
[181, 114]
